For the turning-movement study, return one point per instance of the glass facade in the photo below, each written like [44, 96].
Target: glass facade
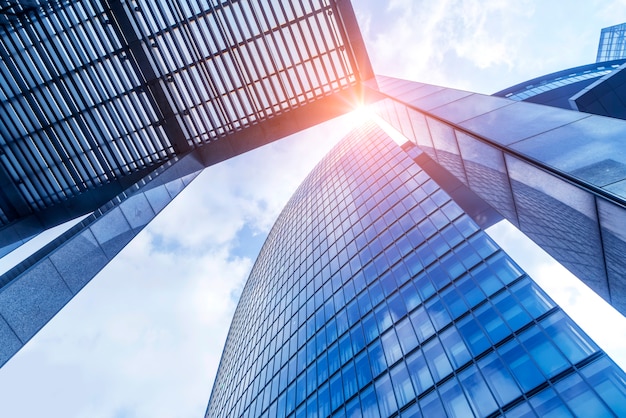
[375, 295]
[612, 44]
[558, 175]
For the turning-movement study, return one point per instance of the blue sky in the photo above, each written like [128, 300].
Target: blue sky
[145, 336]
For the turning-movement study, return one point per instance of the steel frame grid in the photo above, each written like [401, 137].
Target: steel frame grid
[66, 124]
[92, 91]
[248, 78]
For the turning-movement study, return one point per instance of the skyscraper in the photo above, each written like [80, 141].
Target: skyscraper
[375, 293]
[136, 223]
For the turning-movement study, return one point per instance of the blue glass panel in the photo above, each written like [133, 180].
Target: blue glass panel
[438, 313]
[412, 411]
[607, 380]
[396, 307]
[333, 358]
[421, 324]
[349, 380]
[383, 318]
[580, 398]
[406, 335]
[568, 337]
[512, 312]
[454, 302]
[402, 384]
[322, 368]
[391, 346]
[532, 298]
[522, 366]
[455, 347]
[492, 322]
[353, 408]
[431, 405]
[377, 358]
[345, 348]
[470, 291]
[486, 279]
[547, 404]
[418, 370]
[300, 388]
[499, 379]
[478, 393]
[311, 408]
[454, 400]
[370, 328]
[410, 296]
[363, 371]
[473, 335]
[543, 352]
[437, 360]
[291, 398]
[369, 403]
[336, 391]
[384, 393]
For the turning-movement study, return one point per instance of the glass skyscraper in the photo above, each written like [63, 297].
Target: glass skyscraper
[376, 295]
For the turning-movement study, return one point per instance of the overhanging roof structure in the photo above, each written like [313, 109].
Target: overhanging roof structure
[96, 94]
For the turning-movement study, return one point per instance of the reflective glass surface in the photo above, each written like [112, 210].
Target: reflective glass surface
[375, 295]
[557, 186]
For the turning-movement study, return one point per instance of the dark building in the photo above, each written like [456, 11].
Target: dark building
[109, 109]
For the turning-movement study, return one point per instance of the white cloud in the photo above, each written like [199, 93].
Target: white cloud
[151, 327]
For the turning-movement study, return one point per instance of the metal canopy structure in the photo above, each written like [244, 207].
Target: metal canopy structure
[96, 94]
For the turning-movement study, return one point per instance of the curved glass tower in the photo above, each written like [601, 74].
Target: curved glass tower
[375, 295]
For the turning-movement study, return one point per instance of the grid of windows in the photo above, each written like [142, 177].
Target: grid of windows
[612, 44]
[375, 293]
[92, 91]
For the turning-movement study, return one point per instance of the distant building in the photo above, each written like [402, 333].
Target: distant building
[612, 43]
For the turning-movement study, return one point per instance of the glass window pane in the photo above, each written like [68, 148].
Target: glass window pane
[431, 405]
[369, 403]
[419, 372]
[543, 352]
[499, 379]
[580, 398]
[478, 393]
[421, 324]
[522, 366]
[377, 358]
[607, 379]
[568, 337]
[437, 360]
[391, 346]
[547, 404]
[402, 384]
[454, 400]
[384, 393]
[406, 335]
[455, 347]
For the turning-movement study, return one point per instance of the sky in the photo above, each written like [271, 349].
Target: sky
[145, 336]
